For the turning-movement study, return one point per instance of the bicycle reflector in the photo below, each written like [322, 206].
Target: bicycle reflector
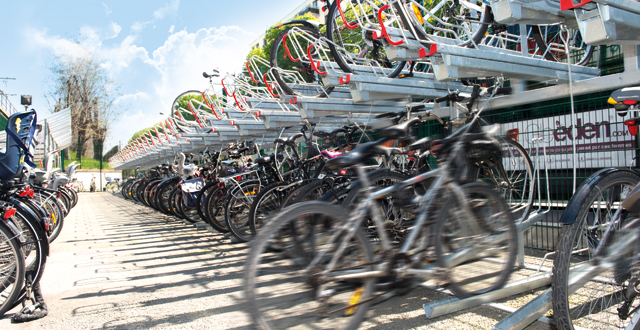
[632, 126]
[239, 178]
[9, 213]
[513, 133]
[416, 11]
[27, 192]
[343, 172]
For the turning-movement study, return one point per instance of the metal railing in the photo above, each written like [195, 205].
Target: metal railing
[6, 104]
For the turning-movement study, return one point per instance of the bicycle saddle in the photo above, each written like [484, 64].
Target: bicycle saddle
[357, 155]
[623, 99]
[399, 130]
[422, 144]
[628, 96]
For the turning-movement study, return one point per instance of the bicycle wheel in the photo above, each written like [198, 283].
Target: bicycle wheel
[476, 246]
[182, 109]
[12, 268]
[593, 302]
[267, 203]
[188, 213]
[35, 247]
[512, 177]
[397, 219]
[282, 291]
[313, 190]
[305, 82]
[164, 196]
[201, 200]
[549, 39]
[237, 210]
[215, 209]
[459, 24]
[351, 43]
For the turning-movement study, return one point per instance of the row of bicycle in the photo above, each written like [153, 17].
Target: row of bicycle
[333, 230]
[33, 203]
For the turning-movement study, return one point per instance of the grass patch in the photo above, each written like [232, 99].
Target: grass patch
[88, 163]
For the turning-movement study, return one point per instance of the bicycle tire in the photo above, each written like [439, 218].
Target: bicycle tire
[299, 251]
[397, 219]
[274, 55]
[518, 187]
[201, 199]
[238, 203]
[486, 19]
[36, 258]
[215, 211]
[465, 281]
[174, 115]
[11, 282]
[580, 208]
[269, 199]
[335, 54]
[164, 196]
[550, 56]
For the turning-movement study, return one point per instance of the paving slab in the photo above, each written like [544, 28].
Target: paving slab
[119, 265]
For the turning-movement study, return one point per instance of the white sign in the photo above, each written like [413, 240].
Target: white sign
[602, 140]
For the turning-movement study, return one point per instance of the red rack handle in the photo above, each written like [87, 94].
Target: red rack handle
[344, 19]
[225, 88]
[384, 28]
[238, 103]
[210, 105]
[194, 114]
[264, 78]
[251, 74]
[286, 49]
[313, 64]
[432, 50]
[568, 4]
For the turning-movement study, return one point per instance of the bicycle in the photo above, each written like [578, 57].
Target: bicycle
[596, 265]
[113, 186]
[333, 259]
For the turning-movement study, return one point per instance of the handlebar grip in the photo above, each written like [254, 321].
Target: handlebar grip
[500, 91]
[417, 107]
[444, 98]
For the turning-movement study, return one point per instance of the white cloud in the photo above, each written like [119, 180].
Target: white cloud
[184, 56]
[150, 79]
[115, 30]
[127, 99]
[172, 28]
[107, 10]
[160, 13]
[169, 8]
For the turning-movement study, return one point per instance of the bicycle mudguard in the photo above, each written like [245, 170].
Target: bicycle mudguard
[571, 211]
[310, 24]
[38, 226]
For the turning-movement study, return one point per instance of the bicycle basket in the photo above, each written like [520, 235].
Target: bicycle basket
[190, 189]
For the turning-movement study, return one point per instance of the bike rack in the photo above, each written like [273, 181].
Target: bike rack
[611, 22]
[531, 12]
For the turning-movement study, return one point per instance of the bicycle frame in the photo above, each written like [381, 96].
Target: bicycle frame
[443, 181]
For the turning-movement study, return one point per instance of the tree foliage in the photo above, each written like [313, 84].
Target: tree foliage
[269, 38]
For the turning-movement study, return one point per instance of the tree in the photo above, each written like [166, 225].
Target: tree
[81, 84]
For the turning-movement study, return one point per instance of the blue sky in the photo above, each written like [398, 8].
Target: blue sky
[153, 50]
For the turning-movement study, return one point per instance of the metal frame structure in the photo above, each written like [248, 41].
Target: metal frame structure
[254, 113]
